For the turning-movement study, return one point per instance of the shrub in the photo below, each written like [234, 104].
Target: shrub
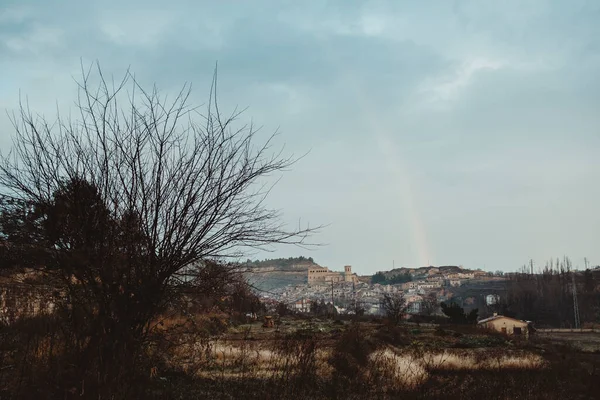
[351, 352]
[439, 331]
[392, 335]
[480, 341]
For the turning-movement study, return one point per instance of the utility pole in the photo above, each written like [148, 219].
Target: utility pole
[332, 304]
[531, 264]
[354, 296]
[585, 260]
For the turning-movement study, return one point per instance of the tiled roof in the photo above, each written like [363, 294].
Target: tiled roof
[496, 317]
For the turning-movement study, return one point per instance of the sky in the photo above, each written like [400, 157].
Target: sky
[436, 132]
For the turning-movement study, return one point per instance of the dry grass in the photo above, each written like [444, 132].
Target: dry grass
[407, 370]
[487, 360]
[249, 359]
[586, 342]
[351, 363]
[399, 371]
[392, 368]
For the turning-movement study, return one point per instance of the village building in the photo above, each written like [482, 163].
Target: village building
[321, 275]
[301, 305]
[454, 282]
[506, 325]
[430, 285]
[414, 303]
[492, 299]
[461, 275]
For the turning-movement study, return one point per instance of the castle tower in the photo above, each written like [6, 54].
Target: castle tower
[348, 273]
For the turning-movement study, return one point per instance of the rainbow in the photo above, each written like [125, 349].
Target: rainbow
[388, 150]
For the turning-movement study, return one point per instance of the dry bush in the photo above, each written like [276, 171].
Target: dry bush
[307, 365]
[289, 365]
[39, 358]
[485, 360]
[391, 372]
[352, 350]
[393, 335]
[300, 353]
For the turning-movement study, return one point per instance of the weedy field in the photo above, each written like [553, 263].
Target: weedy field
[585, 341]
[316, 358]
[308, 358]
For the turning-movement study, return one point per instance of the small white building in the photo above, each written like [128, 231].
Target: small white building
[492, 299]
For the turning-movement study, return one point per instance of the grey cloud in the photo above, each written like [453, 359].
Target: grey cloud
[336, 76]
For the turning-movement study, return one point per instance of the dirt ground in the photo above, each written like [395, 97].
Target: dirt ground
[586, 342]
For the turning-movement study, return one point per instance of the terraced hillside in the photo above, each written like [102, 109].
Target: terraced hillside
[274, 273]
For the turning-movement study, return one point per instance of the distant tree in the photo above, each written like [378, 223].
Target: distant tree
[394, 306]
[545, 295]
[359, 308]
[281, 262]
[471, 317]
[430, 304]
[589, 284]
[453, 311]
[457, 314]
[379, 277]
[243, 300]
[354, 306]
[318, 308]
[400, 278]
[283, 309]
[212, 283]
[504, 309]
[331, 310]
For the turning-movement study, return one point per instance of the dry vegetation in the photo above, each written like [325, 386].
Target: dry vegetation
[586, 342]
[206, 356]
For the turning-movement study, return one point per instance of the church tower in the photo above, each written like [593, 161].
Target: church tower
[348, 273]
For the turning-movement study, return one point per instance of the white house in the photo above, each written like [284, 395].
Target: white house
[492, 299]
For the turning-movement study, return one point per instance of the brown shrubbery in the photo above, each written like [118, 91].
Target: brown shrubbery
[364, 360]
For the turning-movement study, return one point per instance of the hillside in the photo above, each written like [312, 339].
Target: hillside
[273, 273]
[424, 271]
[270, 274]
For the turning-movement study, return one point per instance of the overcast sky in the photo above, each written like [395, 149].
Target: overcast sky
[440, 132]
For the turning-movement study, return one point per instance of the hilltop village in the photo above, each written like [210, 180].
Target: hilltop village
[350, 293]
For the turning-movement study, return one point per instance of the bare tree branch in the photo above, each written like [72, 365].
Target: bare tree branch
[129, 200]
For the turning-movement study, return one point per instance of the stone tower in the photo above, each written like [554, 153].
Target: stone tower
[348, 273]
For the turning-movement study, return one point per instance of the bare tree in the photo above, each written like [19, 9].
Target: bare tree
[358, 307]
[125, 202]
[394, 306]
[430, 304]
